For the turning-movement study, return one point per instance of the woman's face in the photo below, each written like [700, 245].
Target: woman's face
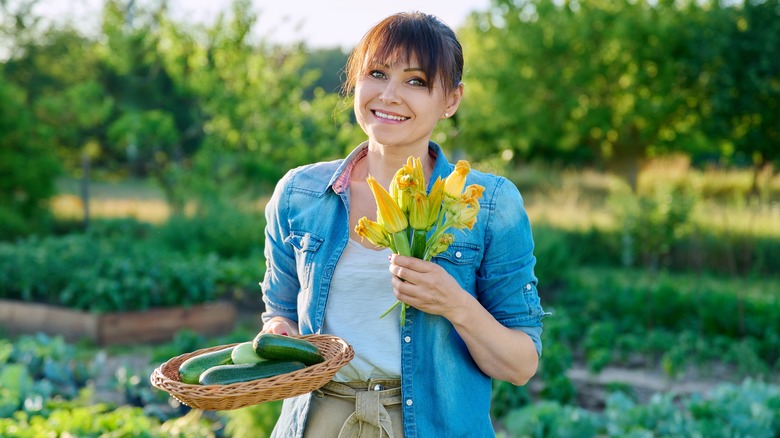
[395, 108]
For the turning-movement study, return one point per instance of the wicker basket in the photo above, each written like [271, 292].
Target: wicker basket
[335, 350]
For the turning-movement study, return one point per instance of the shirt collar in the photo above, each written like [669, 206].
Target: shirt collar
[341, 178]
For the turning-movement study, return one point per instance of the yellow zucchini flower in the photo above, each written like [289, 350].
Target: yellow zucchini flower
[465, 215]
[435, 202]
[464, 212]
[418, 211]
[453, 185]
[472, 193]
[439, 245]
[388, 213]
[373, 231]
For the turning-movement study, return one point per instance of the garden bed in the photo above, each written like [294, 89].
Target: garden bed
[155, 325]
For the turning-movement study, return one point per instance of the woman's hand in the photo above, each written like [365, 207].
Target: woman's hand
[499, 351]
[426, 286]
[280, 325]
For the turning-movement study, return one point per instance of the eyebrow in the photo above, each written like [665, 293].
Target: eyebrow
[407, 69]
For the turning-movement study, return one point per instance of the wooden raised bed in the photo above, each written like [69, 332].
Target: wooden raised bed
[154, 325]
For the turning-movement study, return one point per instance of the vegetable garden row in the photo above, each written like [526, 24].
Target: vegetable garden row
[681, 324]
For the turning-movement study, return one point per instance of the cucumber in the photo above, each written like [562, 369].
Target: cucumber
[278, 347]
[227, 374]
[245, 353]
[191, 369]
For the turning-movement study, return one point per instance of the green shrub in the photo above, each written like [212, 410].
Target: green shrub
[28, 166]
[226, 232]
[555, 255]
[676, 318]
[111, 275]
[651, 224]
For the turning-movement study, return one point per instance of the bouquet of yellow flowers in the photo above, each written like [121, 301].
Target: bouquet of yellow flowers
[414, 223]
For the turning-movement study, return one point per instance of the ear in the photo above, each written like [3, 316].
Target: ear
[453, 101]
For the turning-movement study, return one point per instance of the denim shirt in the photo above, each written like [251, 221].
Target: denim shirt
[444, 392]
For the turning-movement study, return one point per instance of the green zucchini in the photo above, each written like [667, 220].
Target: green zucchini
[227, 374]
[278, 347]
[245, 353]
[191, 369]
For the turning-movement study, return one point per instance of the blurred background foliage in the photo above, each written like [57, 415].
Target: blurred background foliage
[216, 111]
[136, 163]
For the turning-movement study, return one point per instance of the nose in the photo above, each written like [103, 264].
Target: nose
[389, 93]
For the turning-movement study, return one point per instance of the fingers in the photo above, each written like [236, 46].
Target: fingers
[408, 269]
[280, 326]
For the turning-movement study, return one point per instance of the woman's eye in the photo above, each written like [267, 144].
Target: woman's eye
[376, 74]
[417, 82]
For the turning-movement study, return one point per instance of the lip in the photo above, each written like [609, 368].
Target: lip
[398, 117]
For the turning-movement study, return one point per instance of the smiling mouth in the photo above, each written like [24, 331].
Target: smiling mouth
[386, 116]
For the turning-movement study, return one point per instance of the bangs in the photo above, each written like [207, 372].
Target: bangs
[403, 37]
[404, 41]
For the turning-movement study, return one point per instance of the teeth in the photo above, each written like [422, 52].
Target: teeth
[389, 117]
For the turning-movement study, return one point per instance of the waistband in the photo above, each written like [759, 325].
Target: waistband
[371, 397]
[352, 388]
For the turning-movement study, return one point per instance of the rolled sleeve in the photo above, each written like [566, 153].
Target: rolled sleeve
[280, 285]
[506, 278]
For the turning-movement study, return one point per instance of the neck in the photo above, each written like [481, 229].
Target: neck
[383, 162]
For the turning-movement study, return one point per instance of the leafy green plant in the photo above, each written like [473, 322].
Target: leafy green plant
[507, 397]
[551, 419]
[678, 319]
[251, 421]
[653, 223]
[224, 231]
[728, 410]
[104, 275]
[34, 369]
[83, 419]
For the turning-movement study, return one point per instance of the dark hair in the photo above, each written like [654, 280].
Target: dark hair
[402, 36]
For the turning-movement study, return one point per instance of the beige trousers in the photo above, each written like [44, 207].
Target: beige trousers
[356, 410]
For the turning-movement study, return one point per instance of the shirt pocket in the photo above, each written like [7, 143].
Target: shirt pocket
[460, 260]
[306, 245]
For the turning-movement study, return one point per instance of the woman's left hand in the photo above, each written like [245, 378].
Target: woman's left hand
[500, 352]
[425, 286]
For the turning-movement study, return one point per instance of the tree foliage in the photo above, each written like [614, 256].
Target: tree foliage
[27, 164]
[214, 109]
[613, 82]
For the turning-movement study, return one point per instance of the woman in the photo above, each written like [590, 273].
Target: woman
[475, 311]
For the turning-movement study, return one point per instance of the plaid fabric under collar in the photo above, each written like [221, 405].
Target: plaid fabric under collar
[342, 182]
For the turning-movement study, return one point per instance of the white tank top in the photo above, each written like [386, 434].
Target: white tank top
[360, 292]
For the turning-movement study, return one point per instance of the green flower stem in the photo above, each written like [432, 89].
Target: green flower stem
[401, 242]
[391, 309]
[419, 243]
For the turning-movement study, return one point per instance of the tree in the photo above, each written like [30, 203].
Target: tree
[595, 82]
[257, 121]
[739, 69]
[27, 164]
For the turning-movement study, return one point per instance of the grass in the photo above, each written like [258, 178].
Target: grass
[130, 198]
[565, 199]
[580, 199]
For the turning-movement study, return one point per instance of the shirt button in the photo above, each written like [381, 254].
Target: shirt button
[408, 402]
[528, 286]
[408, 339]
[458, 254]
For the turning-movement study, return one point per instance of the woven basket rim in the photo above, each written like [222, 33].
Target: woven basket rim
[336, 351]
